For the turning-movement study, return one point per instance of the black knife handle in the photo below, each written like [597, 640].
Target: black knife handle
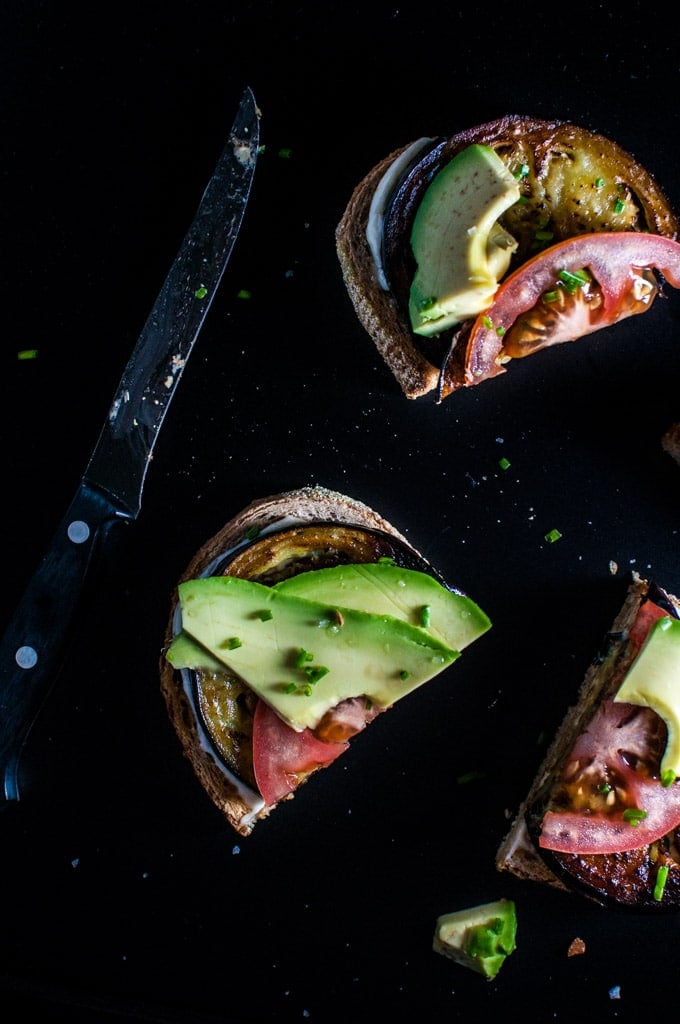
[33, 643]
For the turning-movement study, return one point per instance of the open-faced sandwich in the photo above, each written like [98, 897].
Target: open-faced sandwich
[301, 620]
[602, 815]
[462, 254]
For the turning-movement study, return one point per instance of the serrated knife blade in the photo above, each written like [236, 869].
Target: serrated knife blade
[111, 488]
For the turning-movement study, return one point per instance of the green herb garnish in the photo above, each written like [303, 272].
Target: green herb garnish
[553, 535]
[573, 280]
[634, 815]
[660, 883]
[667, 778]
[316, 672]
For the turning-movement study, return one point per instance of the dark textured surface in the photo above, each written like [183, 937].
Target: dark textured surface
[125, 895]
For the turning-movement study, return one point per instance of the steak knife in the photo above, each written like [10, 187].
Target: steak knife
[110, 490]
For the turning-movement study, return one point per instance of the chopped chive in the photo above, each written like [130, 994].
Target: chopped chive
[619, 206]
[265, 615]
[551, 296]
[521, 172]
[27, 353]
[573, 280]
[243, 293]
[660, 883]
[404, 674]
[667, 778]
[487, 322]
[504, 463]
[553, 535]
[285, 153]
[425, 615]
[252, 532]
[634, 815]
[472, 776]
[232, 643]
[386, 560]
[302, 656]
[316, 672]
[290, 688]
[599, 182]
[201, 292]
[543, 235]
[604, 787]
[306, 690]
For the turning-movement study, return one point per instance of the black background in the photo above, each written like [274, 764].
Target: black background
[124, 894]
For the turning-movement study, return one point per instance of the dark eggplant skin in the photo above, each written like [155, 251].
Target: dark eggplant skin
[625, 880]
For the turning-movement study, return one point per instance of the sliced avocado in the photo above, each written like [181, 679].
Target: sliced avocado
[653, 681]
[460, 250]
[385, 589]
[479, 937]
[187, 653]
[301, 656]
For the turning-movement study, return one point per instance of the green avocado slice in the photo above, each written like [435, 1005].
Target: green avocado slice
[303, 657]
[460, 249]
[382, 588]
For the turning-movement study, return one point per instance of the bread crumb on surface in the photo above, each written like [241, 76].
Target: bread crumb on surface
[576, 948]
[670, 441]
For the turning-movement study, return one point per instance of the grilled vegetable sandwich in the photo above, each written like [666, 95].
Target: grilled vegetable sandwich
[462, 254]
[602, 816]
[301, 620]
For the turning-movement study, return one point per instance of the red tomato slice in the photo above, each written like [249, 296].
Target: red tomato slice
[646, 617]
[620, 264]
[620, 747]
[282, 756]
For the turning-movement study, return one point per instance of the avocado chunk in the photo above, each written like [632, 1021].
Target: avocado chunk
[653, 681]
[479, 937]
[382, 588]
[302, 657]
[460, 249]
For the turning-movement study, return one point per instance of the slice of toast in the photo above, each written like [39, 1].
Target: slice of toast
[570, 179]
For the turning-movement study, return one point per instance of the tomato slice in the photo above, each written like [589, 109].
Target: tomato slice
[282, 757]
[611, 774]
[646, 617]
[519, 321]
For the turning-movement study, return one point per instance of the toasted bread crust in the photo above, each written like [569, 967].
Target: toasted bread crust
[377, 309]
[542, 146]
[306, 505]
[517, 854]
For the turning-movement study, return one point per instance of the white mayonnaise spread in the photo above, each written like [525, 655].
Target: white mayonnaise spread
[376, 214]
[249, 796]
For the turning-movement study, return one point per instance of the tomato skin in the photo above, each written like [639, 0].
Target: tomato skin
[614, 259]
[282, 757]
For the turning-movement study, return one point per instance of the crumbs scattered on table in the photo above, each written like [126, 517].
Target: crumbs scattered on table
[576, 947]
[670, 441]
